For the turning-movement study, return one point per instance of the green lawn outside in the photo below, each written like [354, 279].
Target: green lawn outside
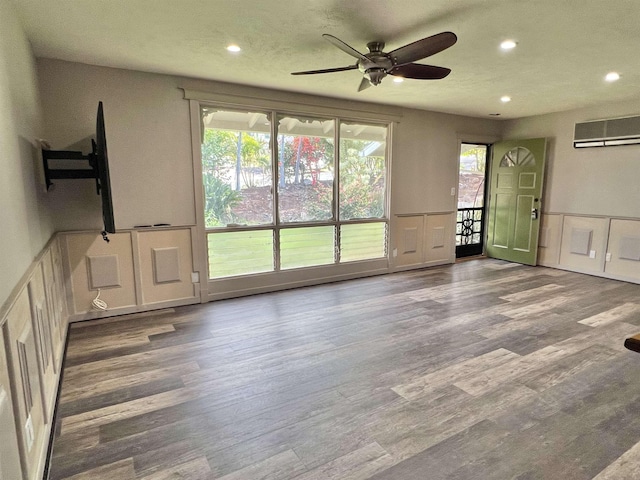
[247, 252]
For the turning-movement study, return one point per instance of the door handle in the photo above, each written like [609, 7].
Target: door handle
[534, 213]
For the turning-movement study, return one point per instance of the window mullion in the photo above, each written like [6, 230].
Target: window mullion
[275, 185]
[336, 186]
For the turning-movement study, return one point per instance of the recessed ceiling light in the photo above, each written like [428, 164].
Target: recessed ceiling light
[612, 76]
[398, 79]
[508, 45]
[233, 48]
[505, 99]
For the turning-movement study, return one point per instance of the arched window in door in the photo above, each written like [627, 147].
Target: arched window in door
[518, 157]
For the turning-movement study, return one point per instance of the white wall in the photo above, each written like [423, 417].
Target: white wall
[149, 143]
[24, 218]
[148, 138]
[591, 181]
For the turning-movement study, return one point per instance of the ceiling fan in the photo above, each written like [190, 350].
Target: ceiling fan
[377, 64]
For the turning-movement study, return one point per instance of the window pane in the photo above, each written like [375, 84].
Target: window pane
[236, 168]
[305, 169]
[471, 176]
[362, 171]
[240, 253]
[306, 247]
[362, 241]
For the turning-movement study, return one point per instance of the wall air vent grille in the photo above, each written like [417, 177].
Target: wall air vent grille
[589, 130]
[623, 127]
[607, 133]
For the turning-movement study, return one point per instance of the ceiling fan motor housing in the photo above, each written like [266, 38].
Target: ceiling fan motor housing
[377, 64]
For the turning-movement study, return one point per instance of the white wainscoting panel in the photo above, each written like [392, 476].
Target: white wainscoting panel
[33, 328]
[9, 450]
[104, 271]
[89, 256]
[409, 235]
[580, 243]
[439, 239]
[550, 238]
[166, 264]
[44, 340]
[27, 395]
[624, 250]
[629, 248]
[584, 241]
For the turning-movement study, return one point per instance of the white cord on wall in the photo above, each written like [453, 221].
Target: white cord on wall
[99, 304]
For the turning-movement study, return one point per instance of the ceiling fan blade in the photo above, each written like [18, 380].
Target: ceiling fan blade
[422, 72]
[423, 48]
[326, 70]
[344, 47]
[364, 84]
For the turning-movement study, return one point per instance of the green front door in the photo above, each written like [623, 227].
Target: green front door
[517, 171]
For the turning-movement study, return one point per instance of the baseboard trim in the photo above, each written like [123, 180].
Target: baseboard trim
[113, 312]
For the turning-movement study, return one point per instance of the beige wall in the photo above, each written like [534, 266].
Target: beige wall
[425, 158]
[23, 213]
[150, 148]
[148, 137]
[591, 181]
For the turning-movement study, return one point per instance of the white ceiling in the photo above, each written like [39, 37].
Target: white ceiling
[565, 47]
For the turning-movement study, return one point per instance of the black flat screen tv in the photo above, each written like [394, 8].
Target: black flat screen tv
[97, 169]
[101, 166]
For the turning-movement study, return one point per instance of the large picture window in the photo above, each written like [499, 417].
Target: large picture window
[286, 191]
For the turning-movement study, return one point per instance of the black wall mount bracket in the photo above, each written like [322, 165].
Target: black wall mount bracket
[57, 165]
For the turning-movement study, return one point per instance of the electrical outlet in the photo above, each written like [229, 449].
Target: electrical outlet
[453, 191]
[607, 257]
[592, 254]
[195, 277]
[28, 433]
[395, 252]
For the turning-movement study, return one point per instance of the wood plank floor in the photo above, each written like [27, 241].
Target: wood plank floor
[479, 370]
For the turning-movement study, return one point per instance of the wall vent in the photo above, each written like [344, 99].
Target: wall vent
[607, 133]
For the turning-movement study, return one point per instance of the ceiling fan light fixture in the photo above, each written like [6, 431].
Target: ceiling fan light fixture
[612, 77]
[508, 45]
[233, 48]
[505, 99]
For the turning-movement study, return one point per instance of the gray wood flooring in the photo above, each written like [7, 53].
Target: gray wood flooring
[479, 370]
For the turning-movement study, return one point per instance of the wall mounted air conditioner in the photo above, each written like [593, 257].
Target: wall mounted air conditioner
[607, 133]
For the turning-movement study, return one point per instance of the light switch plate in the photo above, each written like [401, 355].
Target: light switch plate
[592, 254]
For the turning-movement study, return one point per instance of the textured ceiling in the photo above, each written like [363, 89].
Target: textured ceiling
[564, 47]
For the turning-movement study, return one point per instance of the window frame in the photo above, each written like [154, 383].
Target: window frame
[277, 225]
